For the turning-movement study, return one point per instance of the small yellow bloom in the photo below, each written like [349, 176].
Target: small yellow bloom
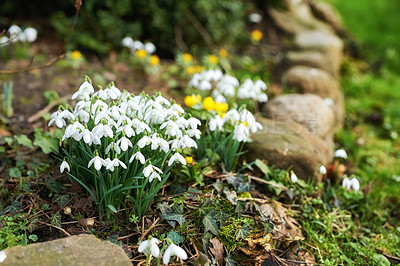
[198, 97]
[213, 59]
[189, 159]
[223, 53]
[76, 55]
[198, 69]
[221, 107]
[190, 70]
[208, 103]
[141, 53]
[222, 115]
[187, 57]
[245, 123]
[256, 35]
[154, 60]
[191, 100]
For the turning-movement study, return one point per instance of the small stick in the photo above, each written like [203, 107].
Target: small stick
[267, 182]
[151, 227]
[59, 228]
[47, 109]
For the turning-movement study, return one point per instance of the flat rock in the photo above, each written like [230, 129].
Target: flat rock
[309, 110]
[310, 58]
[285, 144]
[316, 81]
[321, 40]
[79, 250]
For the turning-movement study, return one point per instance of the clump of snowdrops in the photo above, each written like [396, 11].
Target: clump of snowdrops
[121, 147]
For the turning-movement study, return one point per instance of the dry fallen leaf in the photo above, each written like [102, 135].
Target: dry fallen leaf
[217, 250]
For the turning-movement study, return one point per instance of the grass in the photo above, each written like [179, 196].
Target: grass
[360, 228]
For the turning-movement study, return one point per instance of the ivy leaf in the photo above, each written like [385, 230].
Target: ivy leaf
[47, 144]
[56, 219]
[164, 207]
[229, 261]
[175, 237]
[32, 226]
[210, 224]
[15, 172]
[172, 218]
[242, 232]
[24, 141]
[243, 187]
[61, 200]
[206, 241]
[222, 216]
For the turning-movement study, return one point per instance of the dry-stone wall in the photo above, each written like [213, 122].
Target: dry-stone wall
[300, 126]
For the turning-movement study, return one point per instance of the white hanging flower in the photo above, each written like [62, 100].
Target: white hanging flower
[149, 48]
[216, 123]
[322, 170]
[97, 161]
[255, 18]
[174, 250]
[124, 143]
[114, 163]
[64, 165]
[150, 245]
[355, 184]
[149, 170]
[232, 116]
[346, 183]
[241, 133]
[177, 157]
[30, 34]
[137, 45]
[193, 122]
[127, 42]
[144, 141]
[139, 156]
[14, 31]
[293, 177]
[340, 153]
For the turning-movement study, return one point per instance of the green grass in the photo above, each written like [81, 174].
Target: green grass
[354, 232]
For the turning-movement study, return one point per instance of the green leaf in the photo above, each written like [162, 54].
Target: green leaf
[24, 141]
[56, 219]
[242, 232]
[47, 144]
[164, 207]
[61, 200]
[175, 237]
[229, 261]
[15, 172]
[263, 167]
[172, 217]
[9, 140]
[112, 208]
[33, 237]
[210, 224]
[243, 187]
[381, 260]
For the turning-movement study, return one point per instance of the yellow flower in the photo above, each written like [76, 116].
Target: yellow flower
[198, 69]
[76, 55]
[245, 123]
[187, 57]
[222, 115]
[198, 97]
[208, 103]
[189, 159]
[223, 53]
[190, 70]
[154, 60]
[221, 107]
[256, 35]
[213, 59]
[141, 53]
[191, 100]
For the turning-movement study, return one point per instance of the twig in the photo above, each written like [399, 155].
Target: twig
[267, 182]
[47, 109]
[203, 32]
[59, 228]
[179, 38]
[151, 227]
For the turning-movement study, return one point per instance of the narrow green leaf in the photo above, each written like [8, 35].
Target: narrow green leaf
[263, 167]
[112, 208]
[210, 224]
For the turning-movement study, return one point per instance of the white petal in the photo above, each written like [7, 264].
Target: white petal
[167, 256]
[143, 245]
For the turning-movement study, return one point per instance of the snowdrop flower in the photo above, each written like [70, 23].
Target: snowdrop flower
[144, 141]
[74, 130]
[194, 133]
[293, 177]
[340, 153]
[139, 156]
[3, 40]
[346, 183]
[150, 245]
[174, 250]
[322, 170]
[150, 171]
[149, 48]
[97, 161]
[231, 116]
[83, 92]
[176, 157]
[255, 18]
[3, 256]
[129, 132]
[124, 143]
[114, 146]
[137, 45]
[127, 42]
[216, 123]
[30, 34]
[64, 165]
[14, 31]
[241, 133]
[355, 184]
[205, 85]
[114, 163]
[114, 93]
[193, 122]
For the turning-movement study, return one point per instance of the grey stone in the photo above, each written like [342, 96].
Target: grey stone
[316, 81]
[309, 110]
[79, 250]
[323, 41]
[309, 58]
[286, 144]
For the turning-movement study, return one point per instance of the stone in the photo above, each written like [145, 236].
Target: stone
[313, 59]
[323, 41]
[78, 250]
[316, 81]
[285, 144]
[309, 110]
[327, 13]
